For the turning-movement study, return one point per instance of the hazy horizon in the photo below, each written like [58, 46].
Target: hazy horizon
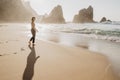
[102, 8]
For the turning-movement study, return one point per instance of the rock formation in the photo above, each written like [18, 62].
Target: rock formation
[105, 20]
[15, 11]
[84, 16]
[56, 16]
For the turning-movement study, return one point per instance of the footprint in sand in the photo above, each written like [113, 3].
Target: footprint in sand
[3, 55]
[22, 49]
[1, 42]
[15, 53]
[6, 41]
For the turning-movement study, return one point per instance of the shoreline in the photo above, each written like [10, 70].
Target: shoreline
[56, 62]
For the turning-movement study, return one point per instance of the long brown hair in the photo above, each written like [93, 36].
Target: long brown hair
[33, 18]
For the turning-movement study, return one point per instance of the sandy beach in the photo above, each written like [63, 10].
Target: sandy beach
[46, 60]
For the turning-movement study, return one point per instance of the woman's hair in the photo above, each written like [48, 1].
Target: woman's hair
[33, 18]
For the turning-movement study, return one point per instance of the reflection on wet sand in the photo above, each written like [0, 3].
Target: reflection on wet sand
[109, 49]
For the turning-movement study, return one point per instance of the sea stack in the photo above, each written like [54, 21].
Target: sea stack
[55, 16]
[104, 19]
[15, 11]
[84, 16]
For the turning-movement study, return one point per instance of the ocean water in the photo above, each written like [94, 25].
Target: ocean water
[103, 38]
[109, 32]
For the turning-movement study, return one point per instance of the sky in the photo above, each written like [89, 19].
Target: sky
[102, 8]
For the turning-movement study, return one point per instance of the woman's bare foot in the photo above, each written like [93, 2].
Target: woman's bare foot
[33, 44]
[29, 42]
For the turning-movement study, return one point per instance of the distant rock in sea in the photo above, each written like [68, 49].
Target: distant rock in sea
[84, 16]
[15, 11]
[104, 19]
[56, 16]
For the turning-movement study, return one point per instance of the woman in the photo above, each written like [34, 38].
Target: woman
[33, 31]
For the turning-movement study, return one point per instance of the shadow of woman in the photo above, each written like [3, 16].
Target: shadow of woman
[31, 59]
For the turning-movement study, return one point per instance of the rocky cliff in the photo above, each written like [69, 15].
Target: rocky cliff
[84, 16]
[55, 16]
[15, 11]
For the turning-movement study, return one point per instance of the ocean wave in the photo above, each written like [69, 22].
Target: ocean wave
[112, 35]
[96, 31]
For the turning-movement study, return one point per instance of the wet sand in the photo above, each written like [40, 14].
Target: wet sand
[47, 61]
